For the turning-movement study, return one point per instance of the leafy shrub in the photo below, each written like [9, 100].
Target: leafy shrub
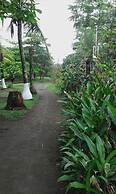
[89, 142]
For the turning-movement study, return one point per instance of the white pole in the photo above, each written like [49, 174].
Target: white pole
[3, 83]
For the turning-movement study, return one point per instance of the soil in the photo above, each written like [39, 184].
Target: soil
[29, 150]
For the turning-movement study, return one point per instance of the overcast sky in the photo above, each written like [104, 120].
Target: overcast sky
[55, 24]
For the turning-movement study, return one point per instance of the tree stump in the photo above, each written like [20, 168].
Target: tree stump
[15, 101]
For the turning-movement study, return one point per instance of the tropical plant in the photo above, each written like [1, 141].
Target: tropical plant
[89, 136]
[98, 166]
[22, 12]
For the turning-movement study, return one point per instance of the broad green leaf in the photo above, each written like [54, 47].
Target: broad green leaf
[88, 120]
[88, 179]
[110, 156]
[91, 146]
[76, 131]
[80, 124]
[82, 154]
[65, 178]
[68, 165]
[112, 113]
[93, 105]
[99, 165]
[89, 88]
[100, 148]
[76, 185]
[71, 156]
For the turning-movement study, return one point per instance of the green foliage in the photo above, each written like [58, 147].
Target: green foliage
[67, 77]
[89, 141]
[24, 11]
[11, 64]
[42, 60]
[52, 88]
[88, 14]
[21, 13]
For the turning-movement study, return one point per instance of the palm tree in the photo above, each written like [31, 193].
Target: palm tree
[34, 28]
[22, 12]
[35, 39]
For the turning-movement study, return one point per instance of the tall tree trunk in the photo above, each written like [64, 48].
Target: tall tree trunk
[88, 66]
[2, 71]
[26, 90]
[25, 80]
[31, 64]
[1, 67]
[33, 90]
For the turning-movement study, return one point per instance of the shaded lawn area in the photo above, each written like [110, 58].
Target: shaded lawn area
[14, 114]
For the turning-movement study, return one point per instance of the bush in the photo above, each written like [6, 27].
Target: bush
[88, 144]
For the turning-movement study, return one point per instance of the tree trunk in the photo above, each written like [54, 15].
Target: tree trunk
[26, 90]
[2, 71]
[88, 66]
[31, 64]
[25, 80]
[33, 90]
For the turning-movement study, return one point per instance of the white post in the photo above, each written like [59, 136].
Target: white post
[96, 41]
[26, 92]
[3, 83]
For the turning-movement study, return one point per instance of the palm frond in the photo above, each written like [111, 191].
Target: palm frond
[35, 28]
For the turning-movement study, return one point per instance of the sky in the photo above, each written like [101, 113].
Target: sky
[55, 25]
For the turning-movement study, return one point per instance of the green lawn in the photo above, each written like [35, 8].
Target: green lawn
[15, 114]
[45, 79]
[52, 88]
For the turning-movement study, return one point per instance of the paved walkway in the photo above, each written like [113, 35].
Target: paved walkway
[29, 155]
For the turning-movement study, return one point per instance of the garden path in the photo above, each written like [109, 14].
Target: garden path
[29, 154]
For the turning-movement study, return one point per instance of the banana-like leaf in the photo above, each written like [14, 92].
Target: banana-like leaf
[91, 145]
[78, 185]
[76, 131]
[111, 155]
[82, 154]
[68, 165]
[65, 178]
[80, 124]
[72, 156]
[100, 148]
[112, 113]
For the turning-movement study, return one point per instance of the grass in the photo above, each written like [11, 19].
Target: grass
[18, 87]
[15, 114]
[45, 79]
[52, 88]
